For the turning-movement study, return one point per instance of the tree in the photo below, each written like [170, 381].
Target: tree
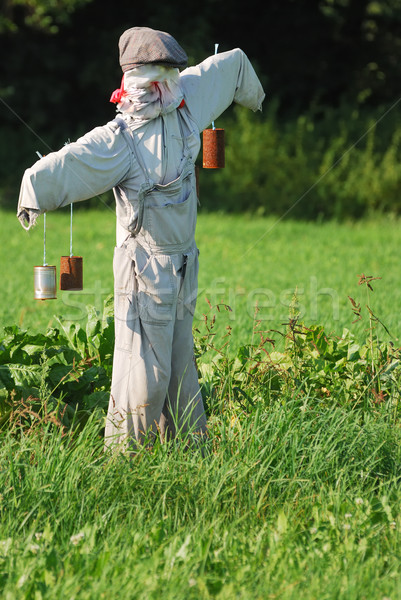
[44, 15]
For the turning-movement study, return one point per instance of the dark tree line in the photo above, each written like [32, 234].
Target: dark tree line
[60, 58]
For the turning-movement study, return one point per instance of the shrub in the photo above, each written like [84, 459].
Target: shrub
[341, 163]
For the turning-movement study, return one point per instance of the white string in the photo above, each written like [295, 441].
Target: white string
[216, 47]
[44, 240]
[71, 232]
[44, 226]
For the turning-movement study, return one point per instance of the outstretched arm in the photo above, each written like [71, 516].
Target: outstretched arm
[210, 87]
[83, 169]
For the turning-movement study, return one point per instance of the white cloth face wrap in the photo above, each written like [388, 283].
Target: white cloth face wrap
[150, 91]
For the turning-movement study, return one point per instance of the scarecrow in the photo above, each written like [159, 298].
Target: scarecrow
[147, 155]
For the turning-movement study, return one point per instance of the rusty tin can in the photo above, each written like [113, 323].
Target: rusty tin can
[71, 277]
[45, 287]
[213, 149]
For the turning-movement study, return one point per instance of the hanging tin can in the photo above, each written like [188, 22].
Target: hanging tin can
[213, 149]
[71, 273]
[45, 282]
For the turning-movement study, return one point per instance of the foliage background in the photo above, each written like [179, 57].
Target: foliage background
[329, 130]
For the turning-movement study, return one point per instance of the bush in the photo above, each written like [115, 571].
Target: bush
[341, 163]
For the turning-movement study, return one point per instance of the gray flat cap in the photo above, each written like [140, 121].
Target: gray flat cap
[142, 45]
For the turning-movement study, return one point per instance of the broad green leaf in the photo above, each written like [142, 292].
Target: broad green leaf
[26, 375]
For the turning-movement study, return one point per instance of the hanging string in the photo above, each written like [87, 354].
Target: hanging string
[216, 47]
[44, 226]
[44, 240]
[71, 232]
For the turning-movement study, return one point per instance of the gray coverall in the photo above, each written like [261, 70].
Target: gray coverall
[151, 170]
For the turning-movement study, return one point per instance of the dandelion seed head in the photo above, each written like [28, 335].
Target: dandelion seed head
[348, 515]
[358, 501]
[346, 526]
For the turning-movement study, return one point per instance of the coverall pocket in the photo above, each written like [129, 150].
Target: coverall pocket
[156, 289]
[189, 289]
[170, 217]
[125, 306]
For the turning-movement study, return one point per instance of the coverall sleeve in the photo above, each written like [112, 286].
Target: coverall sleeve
[210, 87]
[93, 164]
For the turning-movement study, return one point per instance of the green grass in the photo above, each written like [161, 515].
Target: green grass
[244, 261]
[297, 492]
[287, 503]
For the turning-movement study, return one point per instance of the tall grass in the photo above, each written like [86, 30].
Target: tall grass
[286, 503]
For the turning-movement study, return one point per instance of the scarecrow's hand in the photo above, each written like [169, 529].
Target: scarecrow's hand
[27, 217]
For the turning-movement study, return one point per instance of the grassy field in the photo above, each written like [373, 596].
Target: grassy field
[287, 504]
[297, 491]
[244, 262]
